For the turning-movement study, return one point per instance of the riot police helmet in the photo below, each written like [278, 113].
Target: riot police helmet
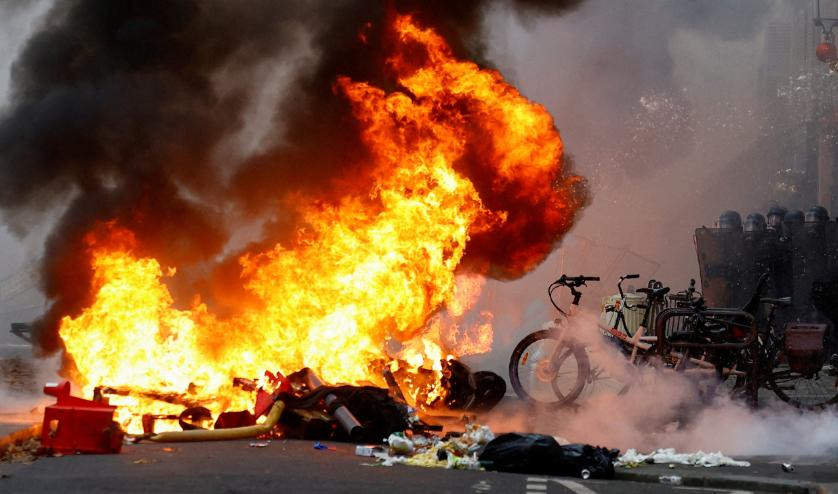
[754, 223]
[817, 214]
[729, 220]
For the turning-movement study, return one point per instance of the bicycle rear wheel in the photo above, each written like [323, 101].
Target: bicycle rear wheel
[538, 378]
[804, 391]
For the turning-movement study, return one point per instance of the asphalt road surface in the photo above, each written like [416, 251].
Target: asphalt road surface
[282, 466]
[295, 466]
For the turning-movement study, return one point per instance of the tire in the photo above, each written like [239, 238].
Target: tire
[567, 380]
[815, 392]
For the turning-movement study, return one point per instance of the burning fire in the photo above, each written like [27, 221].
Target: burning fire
[358, 287]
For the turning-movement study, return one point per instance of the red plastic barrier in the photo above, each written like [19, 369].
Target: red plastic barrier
[76, 425]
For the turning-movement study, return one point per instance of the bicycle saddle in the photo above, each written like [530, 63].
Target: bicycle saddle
[653, 293]
[781, 302]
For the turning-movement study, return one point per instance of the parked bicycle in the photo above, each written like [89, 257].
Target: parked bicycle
[552, 367]
[548, 366]
[791, 362]
[634, 341]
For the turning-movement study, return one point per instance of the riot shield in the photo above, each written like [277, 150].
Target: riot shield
[723, 267]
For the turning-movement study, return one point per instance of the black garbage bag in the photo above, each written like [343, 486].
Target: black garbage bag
[540, 454]
[522, 453]
[599, 462]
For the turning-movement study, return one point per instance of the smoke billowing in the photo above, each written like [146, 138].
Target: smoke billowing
[652, 407]
[633, 104]
[121, 110]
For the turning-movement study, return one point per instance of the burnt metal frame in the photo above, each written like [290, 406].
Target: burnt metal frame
[22, 330]
[751, 342]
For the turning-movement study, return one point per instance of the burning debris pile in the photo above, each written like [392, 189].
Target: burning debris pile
[452, 176]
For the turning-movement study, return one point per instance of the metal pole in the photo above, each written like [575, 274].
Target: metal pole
[342, 414]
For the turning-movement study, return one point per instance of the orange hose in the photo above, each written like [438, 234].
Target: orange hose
[223, 434]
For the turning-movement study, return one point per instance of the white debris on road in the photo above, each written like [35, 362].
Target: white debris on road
[633, 459]
[430, 451]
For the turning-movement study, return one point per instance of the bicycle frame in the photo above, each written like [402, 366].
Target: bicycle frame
[751, 342]
[571, 311]
[638, 340]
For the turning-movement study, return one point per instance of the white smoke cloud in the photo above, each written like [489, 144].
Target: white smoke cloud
[665, 409]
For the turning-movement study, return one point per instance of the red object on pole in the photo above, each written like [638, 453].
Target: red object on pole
[826, 51]
[76, 425]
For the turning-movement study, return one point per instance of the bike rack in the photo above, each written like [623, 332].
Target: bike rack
[750, 342]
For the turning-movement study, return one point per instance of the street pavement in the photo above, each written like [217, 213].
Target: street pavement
[296, 466]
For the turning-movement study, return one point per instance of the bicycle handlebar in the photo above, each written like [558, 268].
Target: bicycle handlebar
[574, 281]
[624, 278]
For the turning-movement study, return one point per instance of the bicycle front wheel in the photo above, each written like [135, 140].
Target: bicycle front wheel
[545, 371]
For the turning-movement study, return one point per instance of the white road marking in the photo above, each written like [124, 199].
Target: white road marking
[536, 485]
[710, 489]
[574, 486]
[482, 486]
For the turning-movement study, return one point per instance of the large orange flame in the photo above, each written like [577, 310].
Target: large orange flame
[365, 274]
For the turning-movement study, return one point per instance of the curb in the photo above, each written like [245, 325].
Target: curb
[732, 482]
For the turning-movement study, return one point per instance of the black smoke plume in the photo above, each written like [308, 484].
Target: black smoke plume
[116, 113]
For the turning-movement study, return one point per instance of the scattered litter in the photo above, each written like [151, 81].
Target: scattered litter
[478, 449]
[399, 444]
[462, 463]
[389, 461]
[368, 450]
[21, 450]
[143, 461]
[668, 455]
[262, 444]
[321, 446]
[168, 450]
[787, 467]
[455, 452]
[670, 479]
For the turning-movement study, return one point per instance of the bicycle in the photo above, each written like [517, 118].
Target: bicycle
[814, 384]
[638, 342]
[549, 367]
[550, 355]
[767, 363]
